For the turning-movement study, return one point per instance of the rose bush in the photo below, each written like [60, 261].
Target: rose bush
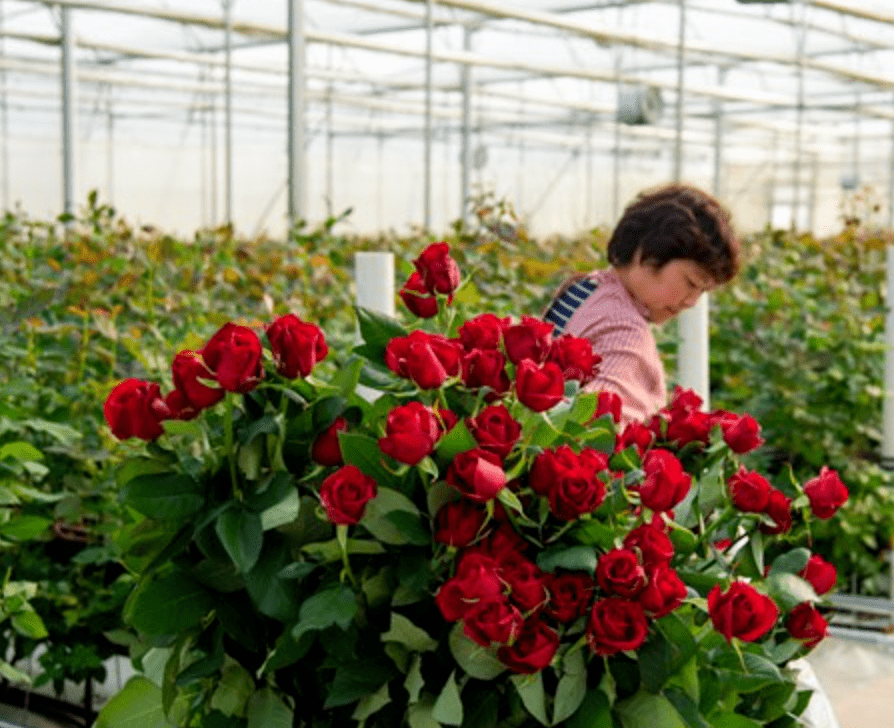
[477, 545]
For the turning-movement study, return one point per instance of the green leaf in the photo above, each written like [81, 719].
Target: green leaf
[530, 690]
[458, 440]
[594, 712]
[414, 681]
[687, 707]
[572, 687]
[271, 594]
[789, 590]
[791, 562]
[267, 710]
[448, 707]
[24, 528]
[734, 720]
[574, 558]
[331, 550]
[242, 536]
[137, 705]
[29, 624]
[370, 704]
[171, 496]
[283, 512]
[233, 690]
[377, 329]
[336, 606]
[356, 680]
[169, 605]
[477, 661]
[410, 527]
[419, 715]
[363, 452]
[404, 631]
[13, 674]
[759, 671]
[646, 709]
[711, 487]
[21, 451]
[376, 517]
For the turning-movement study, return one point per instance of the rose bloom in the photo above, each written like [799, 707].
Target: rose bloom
[411, 431]
[345, 493]
[476, 580]
[652, 543]
[458, 523]
[749, 491]
[551, 465]
[477, 474]
[741, 432]
[780, 512]
[637, 435]
[531, 339]
[417, 299]
[485, 331]
[494, 620]
[807, 624]
[741, 611]
[569, 595]
[533, 649]
[426, 359]
[235, 354]
[609, 403]
[826, 493]
[820, 574]
[486, 368]
[539, 388]
[616, 625]
[620, 572]
[326, 449]
[574, 355]
[134, 408]
[685, 426]
[575, 493]
[665, 483]
[495, 430]
[187, 370]
[297, 346]
[439, 271]
[664, 592]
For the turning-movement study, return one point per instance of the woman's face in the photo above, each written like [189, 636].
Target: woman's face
[668, 290]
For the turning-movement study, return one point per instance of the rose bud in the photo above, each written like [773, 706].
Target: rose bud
[665, 483]
[485, 331]
[749, 491]
[477, 474]
[609, 403]
[296, 346]
[530, 339]
[345, 493]
[616, 625]
[779, 511]
[459, 523]
[187, 371]
[411, 431]
[826, 493]
[417, 298]
[490, 621]
[741, 611]
[234, 355]
[637, 435]
[807, 624]
[326, 449]
[533, 649]
[620, 572]
[539, 388]
[664, 592]
[439, 272]
[427, 359]
[134, 409]
[495, 430]
[569, 595]
[820, 574]
[574, 355]
[741, 433]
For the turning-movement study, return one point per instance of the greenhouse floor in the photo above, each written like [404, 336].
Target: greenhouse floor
[855, 669]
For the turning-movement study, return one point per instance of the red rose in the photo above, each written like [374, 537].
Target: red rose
[741, 432]
[345, 493]
[685, 426]
[476, 580]
[664, 592]
[495, 430]
[530, 339]
[575, 357]
[807, 624]
[749, 491]
[665, 483]
[569, 595]
[741, 611]
[620, 572]
[411, 431]
[134, 408]
[495, 620]
[486, 368]
[177, 407]
[417, 297]
[526, 581]
[780, 512]
[826, 493]
[439, 272]
[533, 649]
[459, 523]
[637, 435]
[616, 625]
[820, 573]
[296, 346]
[477, 474]
[427, 359]
[326, 449]
[502, 543]
[575, 492]
[652, 543]
[485, 331]
[550, 466]
[234, 355]
[187, 370]
[609, 403]
[684, 400]
[539, 388]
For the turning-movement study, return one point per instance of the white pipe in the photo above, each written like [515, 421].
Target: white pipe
[888, 405]
[374, 284]
[693, 370]
[69, 112]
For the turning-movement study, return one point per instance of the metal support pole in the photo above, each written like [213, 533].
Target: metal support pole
[4, 121]
[801, 37]
[228, 111]
[681, 77]
[427, 142]
[110, 151]
[718, 136]
[297, 130]
[465, 144]
[69, 113]
[330, 155]
[888, 402]
[374, 283]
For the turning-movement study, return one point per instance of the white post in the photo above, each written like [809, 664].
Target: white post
[69, 112]
[888, 402]
[692, 361]
[374, 281]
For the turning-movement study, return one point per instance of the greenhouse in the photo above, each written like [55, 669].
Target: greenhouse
[303, 422]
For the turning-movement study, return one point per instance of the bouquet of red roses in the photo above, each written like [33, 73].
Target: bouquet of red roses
[478, 544]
